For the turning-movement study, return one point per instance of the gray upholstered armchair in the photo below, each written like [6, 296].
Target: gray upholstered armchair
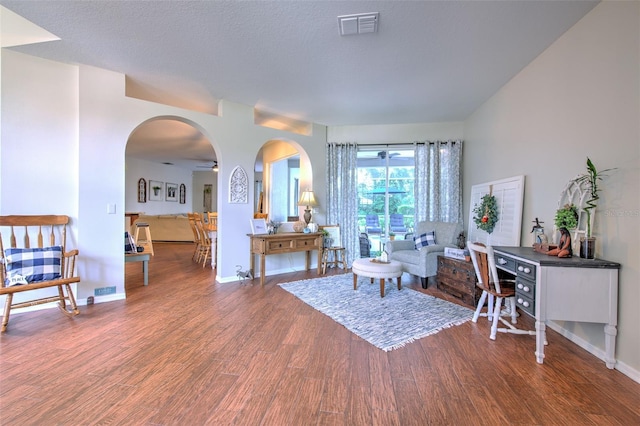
[424, 262]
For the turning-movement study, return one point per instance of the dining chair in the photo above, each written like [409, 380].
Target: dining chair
[204, 252]
[212, 219]
[196, 236]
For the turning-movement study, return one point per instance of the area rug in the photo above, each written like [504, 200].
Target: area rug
[390, 322]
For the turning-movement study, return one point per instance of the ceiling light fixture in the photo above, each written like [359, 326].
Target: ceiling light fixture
[359, 23]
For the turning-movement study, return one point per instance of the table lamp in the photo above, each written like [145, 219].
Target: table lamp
[307, 199]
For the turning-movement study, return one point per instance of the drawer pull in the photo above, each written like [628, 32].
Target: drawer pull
[520, 286]
[523, 302]
[502, 261]
[520, 269]
[527, 270]
[526, 288]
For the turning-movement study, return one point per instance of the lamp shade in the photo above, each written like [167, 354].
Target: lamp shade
[307, 199]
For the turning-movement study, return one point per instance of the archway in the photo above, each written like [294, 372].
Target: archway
[176, 157]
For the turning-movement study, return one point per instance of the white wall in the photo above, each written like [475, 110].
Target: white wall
[396, 133]
[77, 121]
[136, 168]
[579, 98]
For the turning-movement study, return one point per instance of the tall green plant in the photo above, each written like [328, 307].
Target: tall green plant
[590, 179]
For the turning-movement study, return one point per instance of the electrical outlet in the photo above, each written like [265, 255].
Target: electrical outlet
[90, 300]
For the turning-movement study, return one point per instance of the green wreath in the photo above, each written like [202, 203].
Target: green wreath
[486, 214]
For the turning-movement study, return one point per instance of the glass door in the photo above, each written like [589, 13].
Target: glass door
[385, 194]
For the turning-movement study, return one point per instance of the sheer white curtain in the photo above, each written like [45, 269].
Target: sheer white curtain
[438, 181]
[342, 194]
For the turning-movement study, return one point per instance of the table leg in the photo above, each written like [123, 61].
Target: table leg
[382, 280]
[307, 260]
[355, 282]
[262, 270]
[610, 332]
[145, 271]
[320, 251]
[400, 282]
[540, 339]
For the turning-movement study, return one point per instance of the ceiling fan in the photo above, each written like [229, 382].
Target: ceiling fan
[383, 154]
[213, 167]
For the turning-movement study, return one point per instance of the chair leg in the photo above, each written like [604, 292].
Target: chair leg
[483, 297]
[496, 318]
[7, 310]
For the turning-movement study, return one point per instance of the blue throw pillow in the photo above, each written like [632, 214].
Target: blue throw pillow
[424, 240]
[25, 266]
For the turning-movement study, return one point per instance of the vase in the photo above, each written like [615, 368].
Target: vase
[588, 247]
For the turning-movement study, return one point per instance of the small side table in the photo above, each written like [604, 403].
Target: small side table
[140, 257]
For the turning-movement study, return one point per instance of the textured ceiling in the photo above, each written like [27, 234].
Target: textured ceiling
[430, 61]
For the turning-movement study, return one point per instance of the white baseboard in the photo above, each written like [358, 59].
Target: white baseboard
[625, 369]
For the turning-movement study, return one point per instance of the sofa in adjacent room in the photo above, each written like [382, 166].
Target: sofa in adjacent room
[433, 237]
[167, 227]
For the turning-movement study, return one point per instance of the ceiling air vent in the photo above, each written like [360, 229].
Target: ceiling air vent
[360, 23]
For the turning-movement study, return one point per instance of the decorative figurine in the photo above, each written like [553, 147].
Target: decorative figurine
[564, 246]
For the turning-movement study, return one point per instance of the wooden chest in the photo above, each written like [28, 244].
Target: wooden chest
[458, 278]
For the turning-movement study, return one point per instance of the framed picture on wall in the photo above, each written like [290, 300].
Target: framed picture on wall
[156, 190]
[183, 193]
[172, 192]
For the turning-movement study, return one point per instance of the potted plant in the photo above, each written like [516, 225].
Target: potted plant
[392, 235]
[156, 189]
[590, 181]
[567, 217]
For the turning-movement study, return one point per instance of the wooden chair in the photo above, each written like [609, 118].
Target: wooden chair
[204, 252]
[493, 288]
[336, 250]
[212, 221]
[41, 261]
[196, 235]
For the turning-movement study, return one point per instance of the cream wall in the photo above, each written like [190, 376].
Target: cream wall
[579, 98]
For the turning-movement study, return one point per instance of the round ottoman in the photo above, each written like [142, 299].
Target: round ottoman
[376, 269]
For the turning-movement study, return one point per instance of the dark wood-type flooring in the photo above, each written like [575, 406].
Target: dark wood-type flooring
[189, 351]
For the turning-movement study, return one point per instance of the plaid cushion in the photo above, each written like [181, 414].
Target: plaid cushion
[25, 266]
[427, 239]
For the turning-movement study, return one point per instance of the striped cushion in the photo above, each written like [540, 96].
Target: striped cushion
[424, 240]
[25, 266]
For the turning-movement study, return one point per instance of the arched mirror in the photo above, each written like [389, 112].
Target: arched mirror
[277, 183]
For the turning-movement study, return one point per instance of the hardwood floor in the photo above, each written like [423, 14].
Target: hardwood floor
[188, 351]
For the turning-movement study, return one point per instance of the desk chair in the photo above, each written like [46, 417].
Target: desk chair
[336, 249]
[492, 287]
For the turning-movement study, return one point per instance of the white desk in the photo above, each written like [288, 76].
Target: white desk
[573, 289]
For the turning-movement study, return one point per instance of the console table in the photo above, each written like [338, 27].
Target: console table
[564, 289]
[266, 244]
